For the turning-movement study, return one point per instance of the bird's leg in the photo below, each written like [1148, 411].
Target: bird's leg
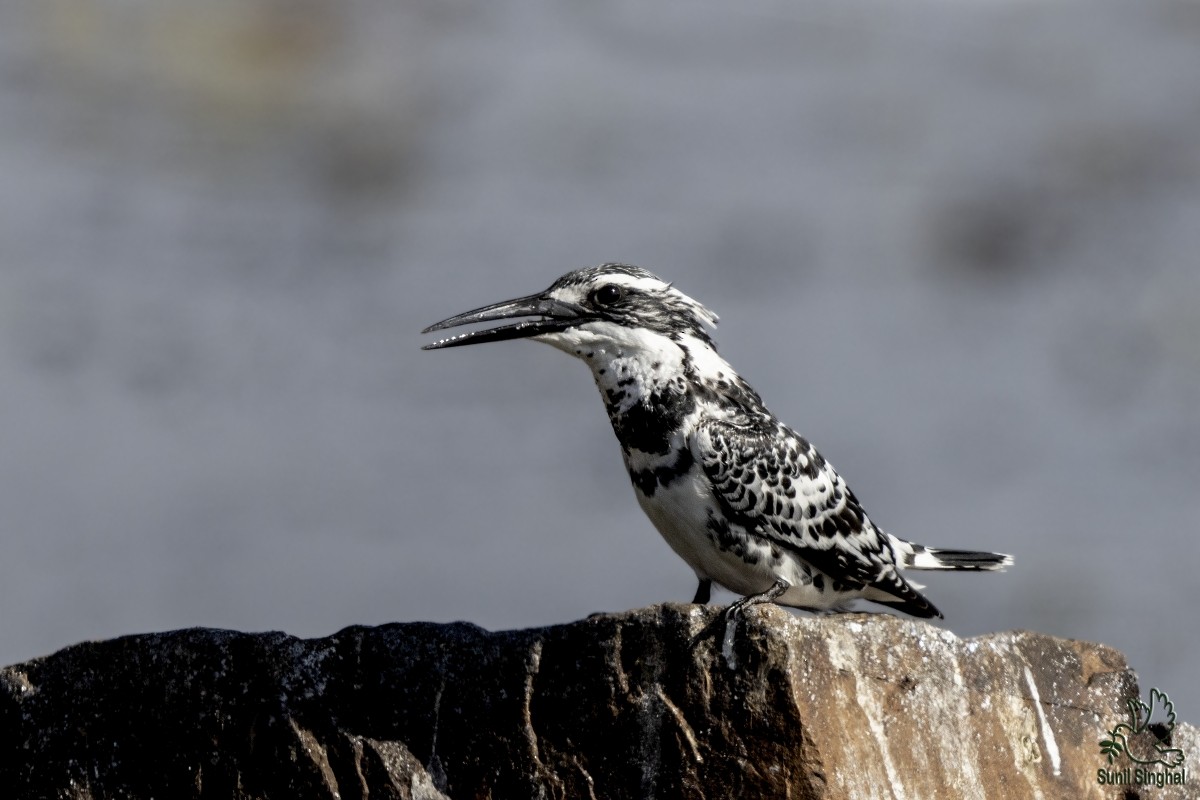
[734, 611]
[779, 587]
[703, 592]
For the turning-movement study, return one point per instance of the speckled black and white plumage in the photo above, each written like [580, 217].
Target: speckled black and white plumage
[746, 501]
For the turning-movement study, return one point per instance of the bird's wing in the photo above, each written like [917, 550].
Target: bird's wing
[1159, 711]
[777, 485]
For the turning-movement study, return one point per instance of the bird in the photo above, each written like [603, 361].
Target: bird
[744, 500]
[1145, 738]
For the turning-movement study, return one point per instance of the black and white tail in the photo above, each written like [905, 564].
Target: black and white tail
[921, 557]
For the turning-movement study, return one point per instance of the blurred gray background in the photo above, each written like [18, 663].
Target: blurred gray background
[954, 244]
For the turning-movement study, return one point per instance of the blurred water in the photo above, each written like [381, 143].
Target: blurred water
[953, 244]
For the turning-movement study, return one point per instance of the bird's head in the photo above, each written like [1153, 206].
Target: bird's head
[614, 308]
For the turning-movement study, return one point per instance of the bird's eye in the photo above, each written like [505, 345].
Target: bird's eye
[607, 295]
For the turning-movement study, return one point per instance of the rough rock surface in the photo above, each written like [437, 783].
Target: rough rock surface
[635, 705]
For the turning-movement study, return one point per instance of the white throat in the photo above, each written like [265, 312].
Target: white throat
[633, 365]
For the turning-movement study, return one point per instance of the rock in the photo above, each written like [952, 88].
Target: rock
[637, 705]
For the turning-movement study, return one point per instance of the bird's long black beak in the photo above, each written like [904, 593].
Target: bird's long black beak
[552, 315]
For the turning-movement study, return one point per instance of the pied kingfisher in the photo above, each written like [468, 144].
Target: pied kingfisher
[746, 501]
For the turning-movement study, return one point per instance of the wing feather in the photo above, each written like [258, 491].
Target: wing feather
[776, 485]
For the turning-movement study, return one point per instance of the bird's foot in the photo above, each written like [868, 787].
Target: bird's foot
[736, 610]
[769, 596]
